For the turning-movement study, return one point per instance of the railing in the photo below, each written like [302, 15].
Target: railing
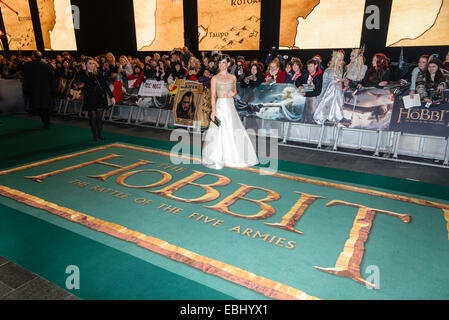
[385, 145]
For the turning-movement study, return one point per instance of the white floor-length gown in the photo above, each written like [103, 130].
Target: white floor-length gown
[227, 145]
[331, 99]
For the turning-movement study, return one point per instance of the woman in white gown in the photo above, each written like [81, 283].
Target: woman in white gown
[331, 99]
[227, 144]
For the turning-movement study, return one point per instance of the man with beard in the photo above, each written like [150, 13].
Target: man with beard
[186, 107]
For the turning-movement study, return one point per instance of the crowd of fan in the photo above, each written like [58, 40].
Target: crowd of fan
[180, 63]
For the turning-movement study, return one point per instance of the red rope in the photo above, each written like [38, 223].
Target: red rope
[9, 7]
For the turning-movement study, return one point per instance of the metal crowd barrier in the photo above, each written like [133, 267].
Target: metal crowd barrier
[385, 145]
[121, 113]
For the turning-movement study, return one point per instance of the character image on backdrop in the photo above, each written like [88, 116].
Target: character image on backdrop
[331, 99]
[226, 141]
[290, 108]
[186, 107]
[356, 69]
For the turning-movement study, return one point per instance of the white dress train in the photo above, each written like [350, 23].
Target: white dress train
[227, 145]
[331, 99]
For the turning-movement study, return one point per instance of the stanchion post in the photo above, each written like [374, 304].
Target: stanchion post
[131, 109]
[446, 155]
[158, 117]
[286, 129]
[396, 144]
[139, 112]
[321, 136]
[66, 104]
[379, 136]
[167, 118]
[336, 134]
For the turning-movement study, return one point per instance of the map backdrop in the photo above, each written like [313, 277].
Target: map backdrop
[228, 25]
[159, 24]
[57, 24]
[321, 24]
[418, 23]
[19, 28]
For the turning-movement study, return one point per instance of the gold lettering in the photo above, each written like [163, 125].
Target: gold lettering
[290, 245]
[237, 229]
[41, 177]
[401, 113]
[267, 210]
[104, 177]
[216, 224]
[166, 177]
[291, 218]
[211, 193]
[348, 263]
[281, 240]
[263, 236]
[414, 117]
[425, 114]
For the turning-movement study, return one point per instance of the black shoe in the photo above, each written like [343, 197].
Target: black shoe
[95, 139]
[101, 138]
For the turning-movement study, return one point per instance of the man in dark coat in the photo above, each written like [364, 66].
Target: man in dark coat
[40, 85]
[313, 78]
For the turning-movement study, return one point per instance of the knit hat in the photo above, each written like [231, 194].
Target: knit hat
[318, 58]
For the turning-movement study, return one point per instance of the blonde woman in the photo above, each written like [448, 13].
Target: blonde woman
[356, 69]
[95, 99]
[274, 73]
[124, 67]
[112, 63]
[330, 101]
[193, 69]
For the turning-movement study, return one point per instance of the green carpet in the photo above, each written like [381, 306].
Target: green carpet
[401, 247]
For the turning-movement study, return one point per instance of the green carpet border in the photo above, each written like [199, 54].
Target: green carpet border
[149, 282]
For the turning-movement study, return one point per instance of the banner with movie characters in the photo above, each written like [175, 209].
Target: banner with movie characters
[367, 108]
[281, 102]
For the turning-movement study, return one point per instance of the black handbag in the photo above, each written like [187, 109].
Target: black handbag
[217, 122]
[105, 103]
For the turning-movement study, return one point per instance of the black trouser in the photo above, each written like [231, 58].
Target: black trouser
[44, 114]
[96, 122]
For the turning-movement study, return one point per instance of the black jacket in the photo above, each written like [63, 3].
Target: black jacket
[252, 83]
[376, 79]
[95, 90]
[39, 84]
[317, 82]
